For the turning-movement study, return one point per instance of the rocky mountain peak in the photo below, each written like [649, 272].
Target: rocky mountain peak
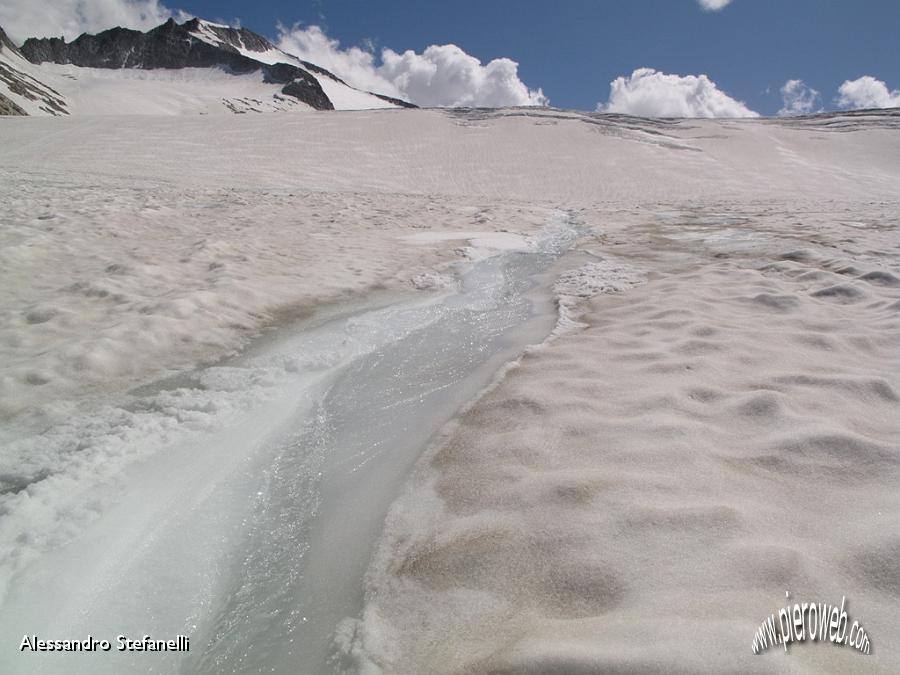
[172, 45]
[196, 44]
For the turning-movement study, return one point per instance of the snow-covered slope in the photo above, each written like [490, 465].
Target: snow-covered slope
[616, 494]
[196, 67]
[22, 89]
[99, 91]
[69, 238]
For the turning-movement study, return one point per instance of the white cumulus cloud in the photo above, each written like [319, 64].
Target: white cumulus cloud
[22, 19]
[441, 76]
[798, 99]
[649, 93]
[444, 75]
[867, 92]
[354, 65]
[713, 5]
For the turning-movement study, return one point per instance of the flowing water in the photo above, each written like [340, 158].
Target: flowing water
[252, 537]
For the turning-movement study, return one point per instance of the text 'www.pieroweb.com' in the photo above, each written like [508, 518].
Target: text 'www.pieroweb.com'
[813, 621]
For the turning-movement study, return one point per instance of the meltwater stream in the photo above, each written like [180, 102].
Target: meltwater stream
[251, 534]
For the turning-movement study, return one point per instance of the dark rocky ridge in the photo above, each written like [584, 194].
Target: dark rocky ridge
[233, 38]
[192, 44]
[173, 46]
[167, 46]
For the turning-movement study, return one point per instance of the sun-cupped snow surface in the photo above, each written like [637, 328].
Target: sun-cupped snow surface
[644, 478]
[629, 483]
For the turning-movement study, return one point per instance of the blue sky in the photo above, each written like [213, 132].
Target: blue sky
[568, 52]
[573, 49]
